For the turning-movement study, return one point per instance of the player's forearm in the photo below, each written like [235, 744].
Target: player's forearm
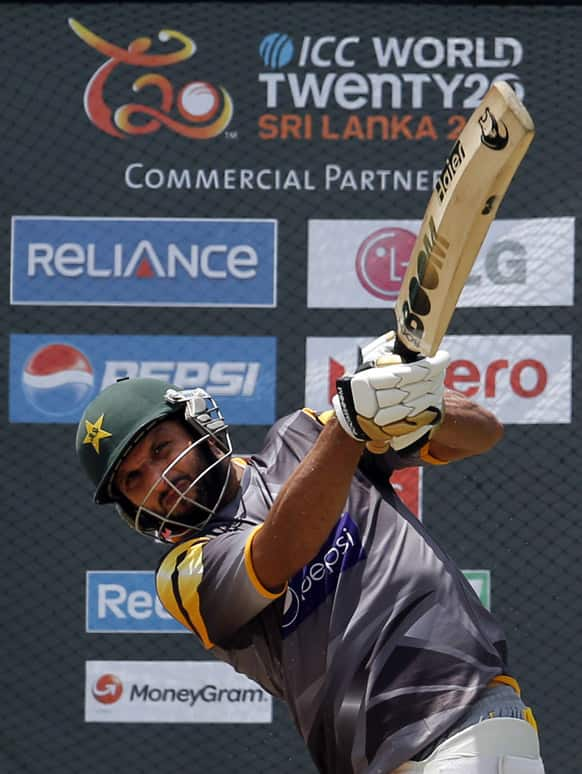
[467, 429]
[306, 508]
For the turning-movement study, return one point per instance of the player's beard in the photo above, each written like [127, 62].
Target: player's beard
[207, 491]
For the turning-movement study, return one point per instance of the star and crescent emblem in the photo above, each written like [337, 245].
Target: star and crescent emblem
[95, 433]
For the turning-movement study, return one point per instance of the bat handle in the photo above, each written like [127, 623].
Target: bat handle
[407, 355]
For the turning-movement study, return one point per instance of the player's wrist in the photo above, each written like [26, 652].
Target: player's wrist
[343, 418]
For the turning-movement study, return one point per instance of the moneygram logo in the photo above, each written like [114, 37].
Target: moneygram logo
[172, 692]
[204, 110]
[107, 689]
[359, 88]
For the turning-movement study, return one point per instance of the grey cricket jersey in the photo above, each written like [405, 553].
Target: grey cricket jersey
[379, 645]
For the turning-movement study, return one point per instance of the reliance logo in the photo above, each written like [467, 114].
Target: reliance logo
[143, 261]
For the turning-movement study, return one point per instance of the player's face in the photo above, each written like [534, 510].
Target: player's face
[153, 474]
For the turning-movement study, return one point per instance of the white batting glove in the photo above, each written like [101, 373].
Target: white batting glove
[390, 403]
[382, 346]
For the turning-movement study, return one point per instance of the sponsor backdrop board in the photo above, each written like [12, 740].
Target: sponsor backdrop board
[361, 264]
[172, 692]
[235, 209]
[523, 379]
[54, 378]
[143, 262]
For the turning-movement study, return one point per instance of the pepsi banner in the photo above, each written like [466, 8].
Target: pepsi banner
[143, 261]
[53, 378]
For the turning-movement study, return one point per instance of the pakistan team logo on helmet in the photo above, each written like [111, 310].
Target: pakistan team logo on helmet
[113, 423]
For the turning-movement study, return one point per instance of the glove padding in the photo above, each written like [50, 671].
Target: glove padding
[381, 347]
[390, 403]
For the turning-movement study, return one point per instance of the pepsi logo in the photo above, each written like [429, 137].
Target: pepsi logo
[57, 379]
[290, 608]
[107, 689]
[382, 259]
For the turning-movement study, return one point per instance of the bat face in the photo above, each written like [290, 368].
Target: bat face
[470, 188]
[429, 261]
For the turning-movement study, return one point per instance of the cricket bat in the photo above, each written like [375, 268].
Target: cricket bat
[469, 190]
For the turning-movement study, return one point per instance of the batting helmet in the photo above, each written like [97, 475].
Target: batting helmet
[119, 417]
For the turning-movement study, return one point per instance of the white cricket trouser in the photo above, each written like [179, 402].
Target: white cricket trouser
[495, 746]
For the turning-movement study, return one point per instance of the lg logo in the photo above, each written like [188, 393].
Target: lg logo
[383, 256]
[382, 259]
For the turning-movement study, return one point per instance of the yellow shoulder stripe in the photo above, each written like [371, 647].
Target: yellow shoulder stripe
[177, 581]
[323, 416]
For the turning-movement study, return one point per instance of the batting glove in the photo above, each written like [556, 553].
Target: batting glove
[383, 346]
[390, 403]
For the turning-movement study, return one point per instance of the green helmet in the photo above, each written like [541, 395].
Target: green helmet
[119, 417]
[114, 422]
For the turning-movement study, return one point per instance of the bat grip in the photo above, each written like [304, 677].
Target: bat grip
[407, 355]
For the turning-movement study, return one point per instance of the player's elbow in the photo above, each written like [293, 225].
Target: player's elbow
[468, 429]
[487, 432]
[493, 434]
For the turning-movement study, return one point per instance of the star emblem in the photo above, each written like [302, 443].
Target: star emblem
[95, 433]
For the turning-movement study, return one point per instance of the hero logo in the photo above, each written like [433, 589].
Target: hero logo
[107, 689]
[382, 259]
[527, 378]
[523, 379]
[141, 260]
[316, 581]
